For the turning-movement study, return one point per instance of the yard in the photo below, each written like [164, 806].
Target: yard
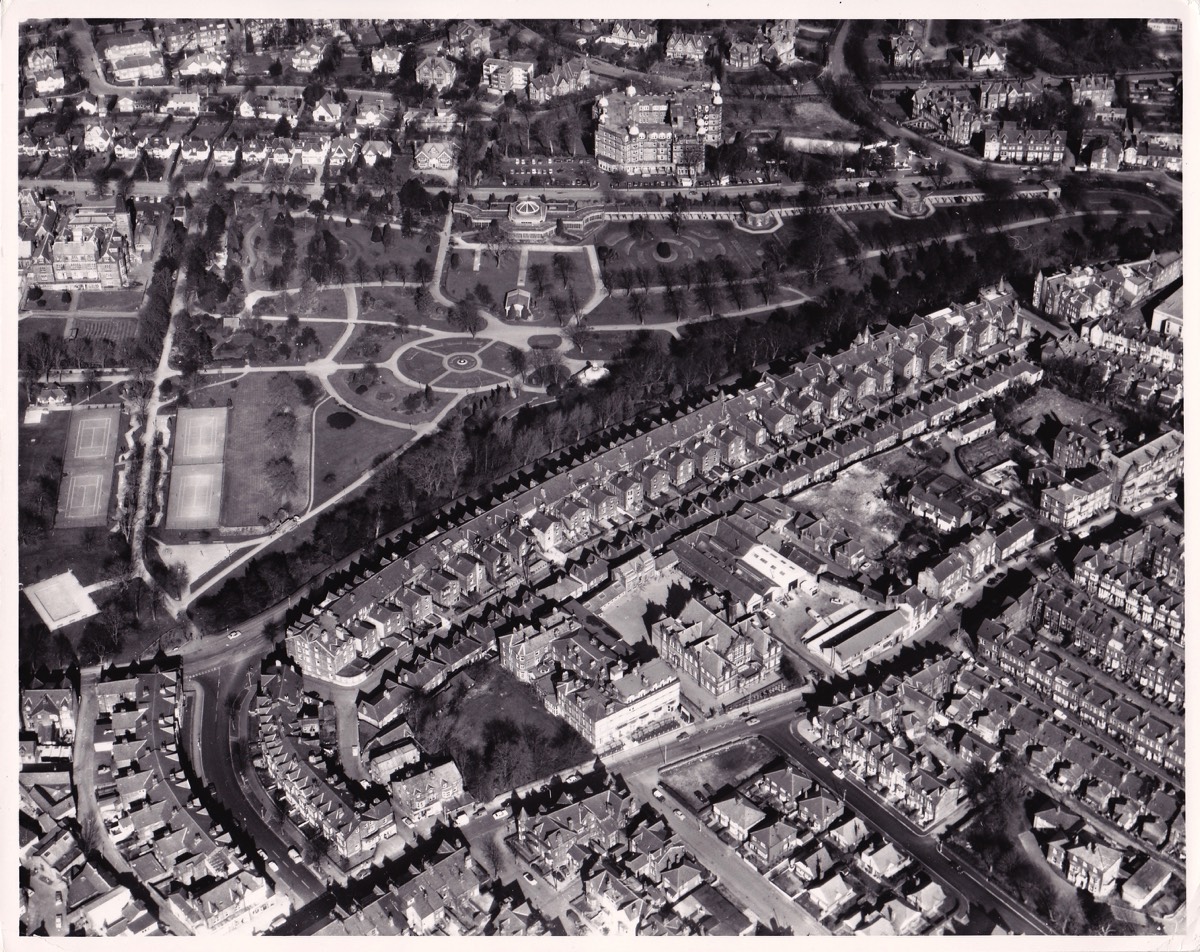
[347, 445]
[252, 494]
[855, 499]
[126, 300]
[374, 342]
[726, 767]
[497, 731]
[271, 342]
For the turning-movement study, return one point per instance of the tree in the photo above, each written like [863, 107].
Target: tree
[422, 271]
[518, 361]
[280, 472]
[637, 307]
[361, 271]
[561, 309]
[537, 274]
[281, 427]
[563, 267]
[466, 317]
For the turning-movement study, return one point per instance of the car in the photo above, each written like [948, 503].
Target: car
[657, 794]
[528, 877]
[294, 855]
[678, 812]
[839, 773]
[573, 778]
[681, 735]
[235, 634]
[752, 721]
[501, 814]
[823, 760]
[769, 612]
[273, 866]
[407, 822]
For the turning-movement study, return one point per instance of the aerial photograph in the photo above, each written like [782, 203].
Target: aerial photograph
[602, 477]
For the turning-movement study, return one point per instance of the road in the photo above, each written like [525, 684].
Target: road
[212, 754]
[960, 878]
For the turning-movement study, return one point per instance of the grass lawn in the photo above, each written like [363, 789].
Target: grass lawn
[421, 365]
[327, 335]
[249, 495]
[127, 299]
[495, 358]
[356, 243]
[344, 455]
[460, 284]
[331, 303]
[456, 345]
[374, 342]
[579, 278]
[614, 309]
[729, 766]
[603, 345]
[385, 398]
[28, 328]
[474, 379]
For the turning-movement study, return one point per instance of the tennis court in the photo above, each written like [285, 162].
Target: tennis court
[200, 436]
[88, 468]
[93, 435]
[195, 500]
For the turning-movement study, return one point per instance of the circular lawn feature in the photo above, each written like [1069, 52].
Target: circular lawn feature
[462, 362]
[341, 420]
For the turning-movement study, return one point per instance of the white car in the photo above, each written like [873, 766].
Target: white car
[823, 760]
[235, 634]
[752, 721]
[574, 778]
[769, 612]
[501, 814]
[528, 877]
[273, 866]
[657, 794]
[678, 812]
[839, 773]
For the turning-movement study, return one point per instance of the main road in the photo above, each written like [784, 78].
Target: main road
[215, 690]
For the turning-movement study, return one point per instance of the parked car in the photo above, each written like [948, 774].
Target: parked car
[528, 877]
[501, 814]
[573, 778]
[273, 866]
[658, 794]
[753, 720]
[678, 812]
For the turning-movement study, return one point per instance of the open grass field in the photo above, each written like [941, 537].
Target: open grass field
[28, 328]
[495, 358]
[248, 493]
[345, 454]
[124, 300]
[726, 767]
